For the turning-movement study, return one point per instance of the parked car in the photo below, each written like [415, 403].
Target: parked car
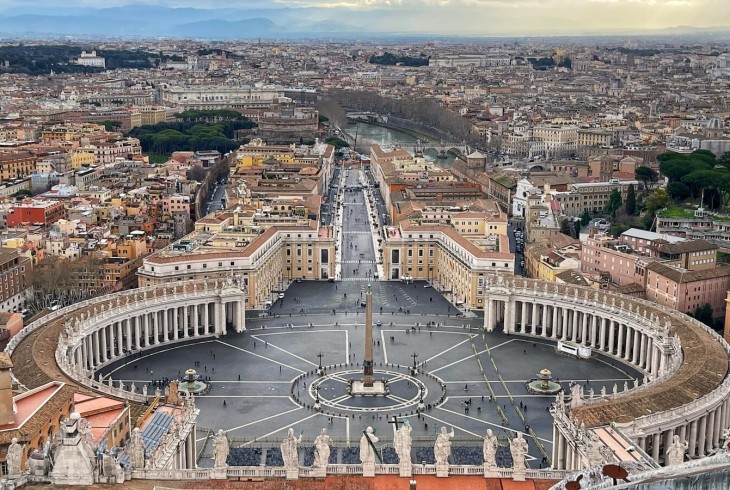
[281, 295]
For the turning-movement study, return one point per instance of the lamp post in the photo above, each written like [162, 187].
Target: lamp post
[414, 369]
[320, 370]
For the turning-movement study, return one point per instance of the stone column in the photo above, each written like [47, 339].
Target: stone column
[564, 324]
[584, 329]
[554, 323]
[489, 326]
[635, 345]
[649, 353]
[602, 343]
[241, 315]
[611, 336]
[667, 436]
[509, 315]
[574, 333]
[156, 326]
[655, 359]
[195, 318]
[222, 317]
[693, 438]
[642, 351]
[120, 337]
[710, 432]
[97, 356]
[544, 321]
[523, 319]
[533, 306]
[165, 325]
[206, 318]
[594, 330]
[655, 446]
[620, 345]
[176, 323]
[137, 332]
[702, 437]
[103, 334]
[185, 313]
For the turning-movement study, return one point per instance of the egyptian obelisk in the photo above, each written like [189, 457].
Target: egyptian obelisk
[367, 364]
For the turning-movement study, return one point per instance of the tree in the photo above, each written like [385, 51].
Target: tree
[196, 173]
[337, 143]
[630, 200]
[110, 125]
[585, 217]
[646, 176]
[614, 202]
[658, 200]
[704, 314]
[724, 160]
[565, 227]
[678, 191]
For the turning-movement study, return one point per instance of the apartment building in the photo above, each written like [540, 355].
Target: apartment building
[35, 212]
[217, 96]
[14, 279]
[594, 137]
[238, 242]
[592, 196]
[548, 260]
[686, 290]
[17, 165]
[455, 257]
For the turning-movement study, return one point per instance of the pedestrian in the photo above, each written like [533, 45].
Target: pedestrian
[239, 377]
[224, 403]
[254, 345]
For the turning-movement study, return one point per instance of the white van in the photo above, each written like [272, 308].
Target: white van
[267, 305]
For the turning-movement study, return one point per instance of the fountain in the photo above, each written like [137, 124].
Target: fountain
[544, 384]
[192, 383]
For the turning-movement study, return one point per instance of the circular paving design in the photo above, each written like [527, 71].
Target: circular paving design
[406, 393]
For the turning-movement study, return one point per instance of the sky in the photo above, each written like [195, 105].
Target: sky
[471, 16]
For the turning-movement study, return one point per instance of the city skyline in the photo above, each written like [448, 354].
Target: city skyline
[446, 17]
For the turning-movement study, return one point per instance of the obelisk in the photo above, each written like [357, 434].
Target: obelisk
[367, 364]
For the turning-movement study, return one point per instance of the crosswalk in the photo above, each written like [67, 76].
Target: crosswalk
[356, 279]
[358, 232]
[362, 261]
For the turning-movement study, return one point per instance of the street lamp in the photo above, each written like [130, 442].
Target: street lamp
[320, 370]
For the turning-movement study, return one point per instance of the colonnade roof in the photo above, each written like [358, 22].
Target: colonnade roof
[703, 369]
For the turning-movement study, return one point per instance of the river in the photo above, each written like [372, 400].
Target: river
[386, 136]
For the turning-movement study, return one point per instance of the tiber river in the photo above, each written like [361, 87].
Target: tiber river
[386, 136]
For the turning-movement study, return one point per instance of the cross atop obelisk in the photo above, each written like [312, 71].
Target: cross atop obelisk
[367, 364]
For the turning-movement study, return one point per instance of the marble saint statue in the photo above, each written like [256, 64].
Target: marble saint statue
[289, 452]
[322, 449]
[442, 448]
[490, 449]
[367, 453]
[220, 449]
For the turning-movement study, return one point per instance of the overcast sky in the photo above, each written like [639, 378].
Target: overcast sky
[472, 16]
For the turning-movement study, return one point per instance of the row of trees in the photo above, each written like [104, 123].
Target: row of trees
[66, 281]
[423, 111]
[210, 115]
[696, 174]
[165, 138]
[392, 59]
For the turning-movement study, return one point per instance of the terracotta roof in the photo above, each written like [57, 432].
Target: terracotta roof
[688, 246]
[46, 412]
[682, 276]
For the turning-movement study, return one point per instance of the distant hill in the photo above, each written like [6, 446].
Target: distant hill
[401, 22]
